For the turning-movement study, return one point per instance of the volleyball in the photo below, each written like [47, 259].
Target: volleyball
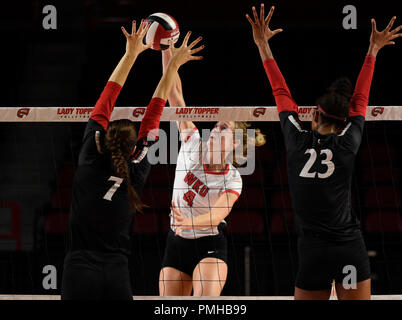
[162, 31]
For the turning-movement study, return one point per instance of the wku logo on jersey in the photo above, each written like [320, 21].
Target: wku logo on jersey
[138, 111]
[258, 111]
[191, 179]
[196, 184]
[376, 111]
[23, 112]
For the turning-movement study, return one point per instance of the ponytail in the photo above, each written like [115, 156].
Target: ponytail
[119, 141]
[258, 139]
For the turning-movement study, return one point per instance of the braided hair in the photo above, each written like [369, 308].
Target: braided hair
[119, 141]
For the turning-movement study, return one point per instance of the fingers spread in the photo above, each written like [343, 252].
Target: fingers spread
[249, 20]
[141, 27]
[192, 44]
[262, 13]
[390, 24]
[255, 16]
[270, 13]
[373, 25]
[125, 32]
[396, 36]
[194, 51]
[146, 28]
[185, 41]
[196, 58]
[396, 29]
[133, 27]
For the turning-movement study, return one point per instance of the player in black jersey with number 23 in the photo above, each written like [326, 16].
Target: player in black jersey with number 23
[320, 166]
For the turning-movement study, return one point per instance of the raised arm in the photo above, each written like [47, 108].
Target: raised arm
[175, 97]
[134, 46]
[262, 34]
[179, 57]
[378, 40]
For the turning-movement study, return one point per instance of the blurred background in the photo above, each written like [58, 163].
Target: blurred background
[69, 66]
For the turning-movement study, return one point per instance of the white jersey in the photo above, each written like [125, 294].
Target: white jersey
[196, 189]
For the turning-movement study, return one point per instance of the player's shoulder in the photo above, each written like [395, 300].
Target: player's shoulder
[286, 113]
[94, 125]
[91, 144]
[190, 137]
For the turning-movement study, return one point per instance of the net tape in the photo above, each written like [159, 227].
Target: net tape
[251, 113]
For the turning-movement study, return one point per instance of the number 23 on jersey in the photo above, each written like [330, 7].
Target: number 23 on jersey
[305, 172]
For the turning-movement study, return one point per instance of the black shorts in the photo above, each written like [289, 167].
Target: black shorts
[90, 275]
[184, 254]
[322, 261]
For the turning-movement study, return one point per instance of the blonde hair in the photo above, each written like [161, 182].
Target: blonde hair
[258, 140]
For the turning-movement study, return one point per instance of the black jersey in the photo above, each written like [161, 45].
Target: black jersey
[100, 216]
[320, 167]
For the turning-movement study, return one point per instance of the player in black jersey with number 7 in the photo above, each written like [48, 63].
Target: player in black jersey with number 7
[320, 165]
[112, 169]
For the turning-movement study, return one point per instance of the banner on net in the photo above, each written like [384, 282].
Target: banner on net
[253, 113]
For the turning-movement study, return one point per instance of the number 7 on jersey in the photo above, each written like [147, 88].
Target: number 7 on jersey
[113, 189]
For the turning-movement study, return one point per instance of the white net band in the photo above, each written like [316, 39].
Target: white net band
[255, 113]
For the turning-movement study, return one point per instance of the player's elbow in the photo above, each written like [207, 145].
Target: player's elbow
[220, 216]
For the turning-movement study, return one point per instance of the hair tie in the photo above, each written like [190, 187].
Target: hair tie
[330, 115]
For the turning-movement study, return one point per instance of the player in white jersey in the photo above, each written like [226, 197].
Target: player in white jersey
[205, 189]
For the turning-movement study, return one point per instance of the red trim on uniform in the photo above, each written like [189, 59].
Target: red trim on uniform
[216, 172]
[232, 191]
[152, 118]
[280, 90]
[360, 98]
[190, 134]
[105, 104]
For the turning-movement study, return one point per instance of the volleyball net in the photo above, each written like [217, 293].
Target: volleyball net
[40, 148]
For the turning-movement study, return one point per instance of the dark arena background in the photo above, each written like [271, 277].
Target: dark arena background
[69, 66]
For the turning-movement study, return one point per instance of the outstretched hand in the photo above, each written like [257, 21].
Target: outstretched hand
[185, 52]
[261, 31]
[135, 45]
[380, 39]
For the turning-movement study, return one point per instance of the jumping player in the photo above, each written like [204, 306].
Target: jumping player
[112, 170]
[320, 166]
[205, 189]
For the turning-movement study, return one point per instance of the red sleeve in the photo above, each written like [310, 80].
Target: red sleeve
[152, 118]
[359, 101]
[105, 104]
[280, 90]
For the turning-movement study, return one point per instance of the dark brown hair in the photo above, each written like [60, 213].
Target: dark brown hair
[119, 141]
[335, 101]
